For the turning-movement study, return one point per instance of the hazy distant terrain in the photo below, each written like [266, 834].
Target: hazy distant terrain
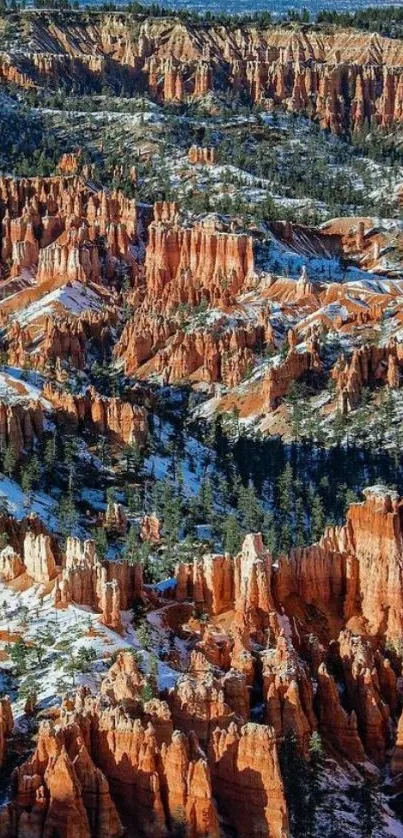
[274, 6]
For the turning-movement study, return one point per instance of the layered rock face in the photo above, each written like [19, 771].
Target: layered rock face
[224, 357]
[59, 786]
[11, 564]
[297, 364]
[104, 762]
[106, 586]
[209, 581]
[192, 754]
[37, 557]
[39, 560]
[204, 264]
[198, 154]
[157, 775]
[60, 230]
[354, 569]
[247, 779]
[368, 367]
[288, 694]
[6, 726]
[121, 420]
[375, 535]
[65, 339]
[20, 425]
[150, 529]
[353, 574]
[341, 79]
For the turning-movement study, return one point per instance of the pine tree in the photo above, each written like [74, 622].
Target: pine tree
[19, 653]
[101, 542]
[269, 531]
[10, 460]
[110, 496]
[206, 498]
[143, 635]
[68, 515]
[299, 523]
[26, 481]
[317, 518]
[232, 535]
[131, 545]
[369, 815]
[147, 693]
[171, 513]
[285, 493]
[295, 775]
[250, 509]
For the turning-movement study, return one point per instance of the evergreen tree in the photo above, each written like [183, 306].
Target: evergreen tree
[26, 481]
[19, 653]
[249, 508]
[131, 545]
[143, 635]
[232, 535]
[206, 499]
[369, 815]
[300, 538]
[171, 513]
[10, 460]
[317, 518]
[295, 775]
[68, 515]
[101, 542]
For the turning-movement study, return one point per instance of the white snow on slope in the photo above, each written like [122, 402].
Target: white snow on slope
[75, 298]
[19, 504]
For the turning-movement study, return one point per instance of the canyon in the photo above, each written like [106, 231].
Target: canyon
[343, 80]
[190, 753]
[201, 472]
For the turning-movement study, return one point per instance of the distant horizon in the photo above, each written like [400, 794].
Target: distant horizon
[277, 7]
[250, 7]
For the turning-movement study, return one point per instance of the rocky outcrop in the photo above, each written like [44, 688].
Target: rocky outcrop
[209, 582]
[11, 564]
[199, 154]
[247, 781]
[337, 726]
[375, 534]
[150, 529]
[288, 694]
[370, 365]
[318, 575]
[187, 786]
[341, 80]
[396, 764]
[61, 230]
[106, 586]
[156, 774]
[123, 421]
[188, 264]
[353, 570]
[69, 163]
[20, 425]
[198, 702]
[364, 693]
[6, 726]
[39, 559]
[252, 584]
[296, 364]
[114, 519]
[60, 787]
[224, 356]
